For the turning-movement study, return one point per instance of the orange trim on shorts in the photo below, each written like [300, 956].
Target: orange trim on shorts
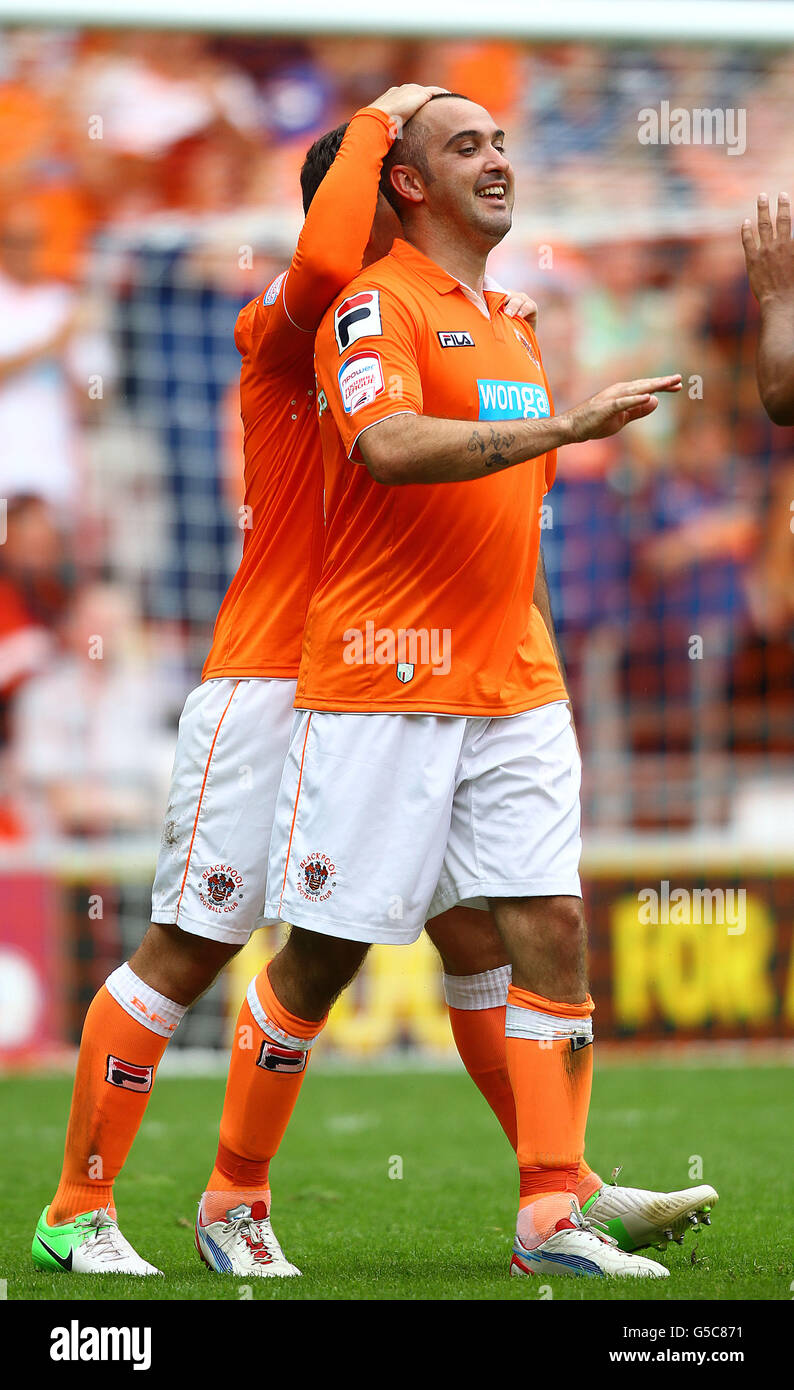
[201, 796]
[294, 812]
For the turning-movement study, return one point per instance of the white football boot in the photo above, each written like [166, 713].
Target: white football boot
[242, 1244]
[90, 1244]
[636, 1218]
[579, 1249]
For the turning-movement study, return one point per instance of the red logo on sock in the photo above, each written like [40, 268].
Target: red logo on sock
[128, 1076]
[274, 1058]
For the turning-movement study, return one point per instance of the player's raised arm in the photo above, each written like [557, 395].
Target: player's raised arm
[412, 448]
[770, 268]
[341, 211]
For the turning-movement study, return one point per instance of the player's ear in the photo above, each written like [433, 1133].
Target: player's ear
[405, 179]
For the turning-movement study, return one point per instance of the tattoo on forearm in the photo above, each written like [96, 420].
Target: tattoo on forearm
[489, 447]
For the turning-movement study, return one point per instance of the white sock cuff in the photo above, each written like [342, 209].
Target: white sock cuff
[530, 1023]
[271, 1029]
[487, 990]
[140, 1001]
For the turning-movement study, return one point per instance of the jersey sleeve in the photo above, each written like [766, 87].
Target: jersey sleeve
[367, 362]
[336, 230]
[273, 329]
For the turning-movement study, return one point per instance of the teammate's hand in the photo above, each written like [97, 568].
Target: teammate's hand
[519, 305]
[401, 103]
[607, 412]
[770, 265]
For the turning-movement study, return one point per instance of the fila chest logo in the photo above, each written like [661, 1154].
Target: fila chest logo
[357, 317]
[455, 339]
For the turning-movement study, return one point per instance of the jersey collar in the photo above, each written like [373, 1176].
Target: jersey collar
[440, 280]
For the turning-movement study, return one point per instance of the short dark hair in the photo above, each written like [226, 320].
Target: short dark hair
[319, 158]
[409, 148]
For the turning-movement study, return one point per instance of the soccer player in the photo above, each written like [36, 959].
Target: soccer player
[210, 880]
[241, 717]
[433, 761]
[770, 267]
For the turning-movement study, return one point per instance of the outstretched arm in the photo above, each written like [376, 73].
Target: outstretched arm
[770, 268]
[409, 448]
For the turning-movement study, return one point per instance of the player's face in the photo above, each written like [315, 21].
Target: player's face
[472, 179]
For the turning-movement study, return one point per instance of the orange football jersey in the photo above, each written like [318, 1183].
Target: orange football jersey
[259, 628]
[425, 600]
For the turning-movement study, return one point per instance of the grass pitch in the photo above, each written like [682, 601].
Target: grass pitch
[444, 1229]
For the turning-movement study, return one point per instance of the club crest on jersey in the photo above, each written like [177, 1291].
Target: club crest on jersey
[272, 292]
[273, 1057]
[360, 380]
[219, 883]
[512, 400]
[316, 878]
[128, 1076]
[525, 343]
[405, 671]
[455, 339]
[357, 317]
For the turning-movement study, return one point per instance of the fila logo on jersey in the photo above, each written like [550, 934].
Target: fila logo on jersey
[512, 400]
[358, 317]
[455, 339]
[273, 1057]
[360, 380]
[271, 293]
[128, 1076]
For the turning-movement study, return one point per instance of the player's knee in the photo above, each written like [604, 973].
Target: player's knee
[567, 933]
[177, 964]
[467, 941]
[325, 964]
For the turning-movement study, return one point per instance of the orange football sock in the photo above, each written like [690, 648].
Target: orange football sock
[116, 1067]
[479, 1035]
[480, 1039]
[269, 1059]
[550, 1061]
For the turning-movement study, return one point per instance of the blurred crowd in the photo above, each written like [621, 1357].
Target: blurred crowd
[148, 189]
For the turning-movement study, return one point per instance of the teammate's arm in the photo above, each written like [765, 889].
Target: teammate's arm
[770, 268]
[408, 448]
[335, 233]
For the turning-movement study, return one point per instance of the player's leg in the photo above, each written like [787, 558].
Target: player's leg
[126, 1031]
[281, 1018]
[476, 980]
[549, 1054]
[514, 840]
[204, 909]
[351, 785]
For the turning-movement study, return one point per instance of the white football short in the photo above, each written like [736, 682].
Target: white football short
[212, 863]
[385, 820]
